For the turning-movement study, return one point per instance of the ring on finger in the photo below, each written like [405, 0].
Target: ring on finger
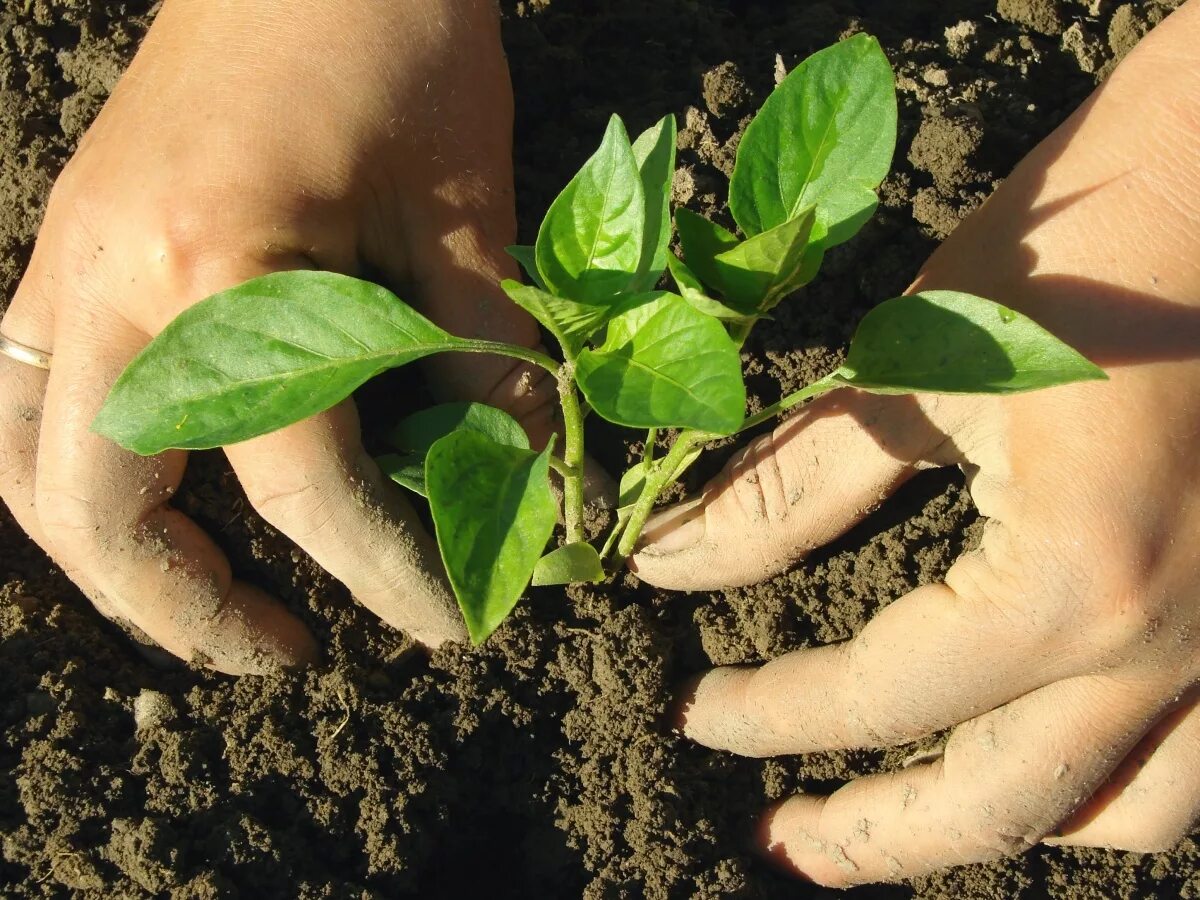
[23, 353]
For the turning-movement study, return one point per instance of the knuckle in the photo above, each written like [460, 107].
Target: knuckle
[297, 507]
[527, 392]
[998, 842]
[73, 523]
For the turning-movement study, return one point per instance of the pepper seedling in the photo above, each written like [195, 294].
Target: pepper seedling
[280, 348]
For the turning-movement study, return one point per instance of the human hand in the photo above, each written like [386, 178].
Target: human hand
[248, 137]
[1063, 651]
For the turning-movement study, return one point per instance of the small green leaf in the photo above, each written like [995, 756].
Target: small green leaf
[665, 364]
[590, 244]
[632, 482]
[952, 343]
[824, 138]
[654, 151]
[527, 257]
[261, 356]
[569, 564]
[702, 241]
[570, 322]
[493, 511]
[406, 469]
[694, 293]
[420, 431]
[757, 273]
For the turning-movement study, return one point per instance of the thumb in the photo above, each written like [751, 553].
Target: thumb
[790, 491]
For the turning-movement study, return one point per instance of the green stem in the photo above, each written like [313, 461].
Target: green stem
[816, 389]
[656, 482]
[572, 475]
[523, 353]
[741, 330]
[648, 454]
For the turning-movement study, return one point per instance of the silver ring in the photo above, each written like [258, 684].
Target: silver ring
[28, 355]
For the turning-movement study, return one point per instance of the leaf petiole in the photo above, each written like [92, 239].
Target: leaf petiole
[533, 357]
[816, 389]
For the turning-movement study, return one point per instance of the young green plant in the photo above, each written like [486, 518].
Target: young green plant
[280, 348]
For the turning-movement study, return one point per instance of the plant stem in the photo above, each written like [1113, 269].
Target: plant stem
[572, 474]
[523, 353]
[656, 481]
[816, 389]
[648, 453]
[741, 330]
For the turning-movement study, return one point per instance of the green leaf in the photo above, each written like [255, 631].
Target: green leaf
[406, 469]
[824, 138]
[570, 564]
[654, 152]
[420, 431]
[665, 364]
[590, 244]
[261, 356]
[702, 241]
[694, 293]
[952, 343]
[570, 322]
[757, 273]
[493, 511]
[527, 257]
[633, 480]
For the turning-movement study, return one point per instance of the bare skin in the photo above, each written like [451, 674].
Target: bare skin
[371, 137]
[1064, 651]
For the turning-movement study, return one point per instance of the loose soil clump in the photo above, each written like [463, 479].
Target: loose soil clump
[540, 765]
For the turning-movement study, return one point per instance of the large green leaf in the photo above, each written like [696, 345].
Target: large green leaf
[824, 138]
[758, 272]
[952, 343]
[417, 433]
[260, 356]
[665, 364]
[527, 257]
[569, 564]
[570, 322]
[493, 511]
[654, 151]
[590, 244]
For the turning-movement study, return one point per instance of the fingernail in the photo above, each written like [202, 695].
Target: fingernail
[674, 529]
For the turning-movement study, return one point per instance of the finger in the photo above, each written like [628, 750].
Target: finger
[1005, 781]
[22, 390]
[315, 483]
[29, 321]
[105, 512]
[1152, 801]
[790, 491]
[940, 655]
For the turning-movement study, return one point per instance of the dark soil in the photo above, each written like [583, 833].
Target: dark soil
[538, 766]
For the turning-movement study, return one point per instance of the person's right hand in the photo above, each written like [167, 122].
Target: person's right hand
[1065, 651]
[247, 137]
